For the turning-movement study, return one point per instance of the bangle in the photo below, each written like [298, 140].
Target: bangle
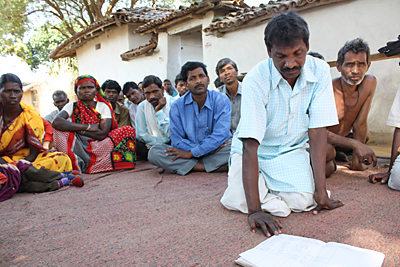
[83, 132]
[88, 127]
[251, 213]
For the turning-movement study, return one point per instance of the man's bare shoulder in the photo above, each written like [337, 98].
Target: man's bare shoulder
[369, 79]
[336, 83]
[368, 84]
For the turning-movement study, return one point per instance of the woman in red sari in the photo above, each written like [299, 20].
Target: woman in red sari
[87, 131]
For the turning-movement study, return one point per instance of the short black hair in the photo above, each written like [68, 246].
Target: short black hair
[357, 45]
[59, 92]
[111, 84]
[286, 28]
[9, 77]
[223, 62]
[316, 54]
[167, 80]
[129, 85]
[178, 78]
[192, 65]
[150, 79]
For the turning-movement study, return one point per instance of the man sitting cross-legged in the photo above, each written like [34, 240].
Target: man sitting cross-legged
[152, 118]
[199, 127]
[287, 103]
[112, 89]
[353, 92]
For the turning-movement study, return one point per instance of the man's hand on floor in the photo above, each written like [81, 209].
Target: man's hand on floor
[384, 177]
[269, 225]
[324, 202]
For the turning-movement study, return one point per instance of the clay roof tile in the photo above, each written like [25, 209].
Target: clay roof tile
[263, 11]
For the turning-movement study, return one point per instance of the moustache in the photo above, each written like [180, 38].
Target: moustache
[199, 85]
[154, 100]
[290, 69]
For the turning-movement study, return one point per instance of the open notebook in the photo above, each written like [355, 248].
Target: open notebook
[294, 251]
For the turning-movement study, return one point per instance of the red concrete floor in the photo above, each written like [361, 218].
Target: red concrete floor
[142, 218]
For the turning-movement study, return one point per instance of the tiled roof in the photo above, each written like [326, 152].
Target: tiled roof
[69, 46]
[254, 15]
[150, 18]
[148, 49]
[155, 19]
[122, 16]
[142, 15]
[184, 13]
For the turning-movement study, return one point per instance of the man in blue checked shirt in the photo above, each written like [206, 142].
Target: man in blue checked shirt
[287, 103]
[199, 127]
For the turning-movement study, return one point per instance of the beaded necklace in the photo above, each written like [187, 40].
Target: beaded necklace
[344, 95]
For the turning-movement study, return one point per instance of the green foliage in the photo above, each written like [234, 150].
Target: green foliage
[12, 27]
[59, 19]
[13, 46]
[12, 24]
[41, 44]
[187, 2]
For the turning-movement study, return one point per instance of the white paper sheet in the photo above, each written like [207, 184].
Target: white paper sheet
[336, 254]
[293, 251]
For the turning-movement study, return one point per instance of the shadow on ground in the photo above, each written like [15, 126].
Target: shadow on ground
[143, 218]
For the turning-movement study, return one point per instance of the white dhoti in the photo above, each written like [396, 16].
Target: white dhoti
[276, 203]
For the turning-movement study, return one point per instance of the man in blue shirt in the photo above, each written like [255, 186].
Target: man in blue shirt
[199, 127]
[287, 103]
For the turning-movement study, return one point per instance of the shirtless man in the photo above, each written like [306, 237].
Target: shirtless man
[353, 92]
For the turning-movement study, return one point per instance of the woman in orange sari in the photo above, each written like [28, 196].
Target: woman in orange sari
[22, 130]
[87, 131]
[25, 165]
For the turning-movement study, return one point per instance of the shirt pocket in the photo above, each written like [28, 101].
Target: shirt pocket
[304, 121]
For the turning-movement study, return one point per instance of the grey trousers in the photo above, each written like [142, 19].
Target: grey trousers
[183, 166]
